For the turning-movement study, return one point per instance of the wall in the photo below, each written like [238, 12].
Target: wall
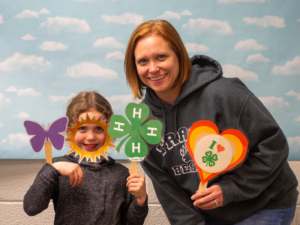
[16, 176]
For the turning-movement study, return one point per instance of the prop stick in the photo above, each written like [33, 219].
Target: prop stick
[48, 152]
[138, 132]
[213, 153]
[47, 137]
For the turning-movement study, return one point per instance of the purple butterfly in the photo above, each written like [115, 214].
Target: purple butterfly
[52, 133]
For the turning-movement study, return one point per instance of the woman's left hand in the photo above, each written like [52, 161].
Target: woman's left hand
[210, 198]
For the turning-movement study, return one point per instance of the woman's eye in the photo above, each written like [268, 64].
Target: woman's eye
[161, 56]
[141, 61]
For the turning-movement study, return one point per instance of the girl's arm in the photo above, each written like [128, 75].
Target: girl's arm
[39, 194]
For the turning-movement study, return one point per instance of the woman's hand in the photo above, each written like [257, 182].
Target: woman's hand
[210, 198]
[136, 185]
[72, 170]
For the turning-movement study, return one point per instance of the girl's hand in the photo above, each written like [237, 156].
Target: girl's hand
[210, 198]
[72, 170]
[136, 185]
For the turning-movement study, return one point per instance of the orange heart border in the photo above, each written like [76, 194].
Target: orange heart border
[213, 126]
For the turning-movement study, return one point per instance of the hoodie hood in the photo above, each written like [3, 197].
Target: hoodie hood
[205, 70]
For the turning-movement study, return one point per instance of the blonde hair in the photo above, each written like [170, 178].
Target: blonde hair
[169, 33]
[87, 100]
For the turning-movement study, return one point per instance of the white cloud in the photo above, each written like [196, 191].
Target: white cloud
[289, 68]
[275, 104]
[4, 101]
[108, 42]
[235, 71]
[44, 11]
[24, 92]
[31, 14]
[1, 19]
[88, 69]
[27, 14]
[22, 115]
[115, 56]
[186, 13]
[206, 25]
[249, 44]
[234, 1]
[28, 92]
[266, 21]
[119, 102]
[1, 124]
[24, 62]
[57, 24]
[53, 46]
[293, 93]
[297, 119]
[28, 37]
[61, 98]
[194, 47]
[298, 20]
[83, 0]
[124, 19]
[257, 58]
[12, 89]
[294, 143]
[16, 141]
[168, 15]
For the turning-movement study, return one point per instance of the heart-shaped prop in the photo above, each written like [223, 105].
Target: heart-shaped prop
[214, 153]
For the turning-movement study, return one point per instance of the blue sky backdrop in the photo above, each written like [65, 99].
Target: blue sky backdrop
[51, 50]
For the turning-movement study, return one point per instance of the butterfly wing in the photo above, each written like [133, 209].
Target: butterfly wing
[33, 128]
[54, 131]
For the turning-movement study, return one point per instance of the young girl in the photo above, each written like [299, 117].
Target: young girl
[89, 192]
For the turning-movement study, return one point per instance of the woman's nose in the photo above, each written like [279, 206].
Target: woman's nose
[153, 68]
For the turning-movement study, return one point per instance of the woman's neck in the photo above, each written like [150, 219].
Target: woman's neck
[169, 97]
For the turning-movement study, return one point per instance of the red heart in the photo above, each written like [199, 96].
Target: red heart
[220, 148]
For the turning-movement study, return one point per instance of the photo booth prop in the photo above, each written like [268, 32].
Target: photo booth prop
[214, 153]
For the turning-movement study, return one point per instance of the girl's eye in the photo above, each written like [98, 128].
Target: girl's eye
[161, 56]
[81, 128]
[100, 129]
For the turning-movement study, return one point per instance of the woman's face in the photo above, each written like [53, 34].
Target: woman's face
[157, 65]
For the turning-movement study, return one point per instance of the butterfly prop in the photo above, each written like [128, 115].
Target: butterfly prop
[214, 153]
[136, 133]
[47, 137]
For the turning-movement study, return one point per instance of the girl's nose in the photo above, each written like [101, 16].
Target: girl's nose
[90, 136]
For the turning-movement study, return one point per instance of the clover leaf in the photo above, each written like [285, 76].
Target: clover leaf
[209, 159]
[134, 132]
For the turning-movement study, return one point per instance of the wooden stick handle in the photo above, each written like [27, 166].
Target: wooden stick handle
[202, 186]
[134, 167]
[48, 152]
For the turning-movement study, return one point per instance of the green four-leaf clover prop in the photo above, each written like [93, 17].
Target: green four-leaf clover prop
[135, 149]
[209, 159]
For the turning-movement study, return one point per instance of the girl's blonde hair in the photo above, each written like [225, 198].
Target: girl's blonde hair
[87, 100]
[169, 33]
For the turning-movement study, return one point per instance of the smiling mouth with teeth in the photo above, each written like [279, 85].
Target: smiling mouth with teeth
[157, 78]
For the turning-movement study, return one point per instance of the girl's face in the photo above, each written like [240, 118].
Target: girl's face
[157, 65]
[90, 137]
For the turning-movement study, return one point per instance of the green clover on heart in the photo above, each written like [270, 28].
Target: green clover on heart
[136, 133]
[209, 158]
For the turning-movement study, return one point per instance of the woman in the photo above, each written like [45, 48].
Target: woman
[181, 91]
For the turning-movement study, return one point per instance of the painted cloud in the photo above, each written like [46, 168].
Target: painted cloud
[59, 24]
[19, 62]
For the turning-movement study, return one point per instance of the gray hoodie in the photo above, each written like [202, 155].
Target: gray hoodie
[263, 181]
[102, 198]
